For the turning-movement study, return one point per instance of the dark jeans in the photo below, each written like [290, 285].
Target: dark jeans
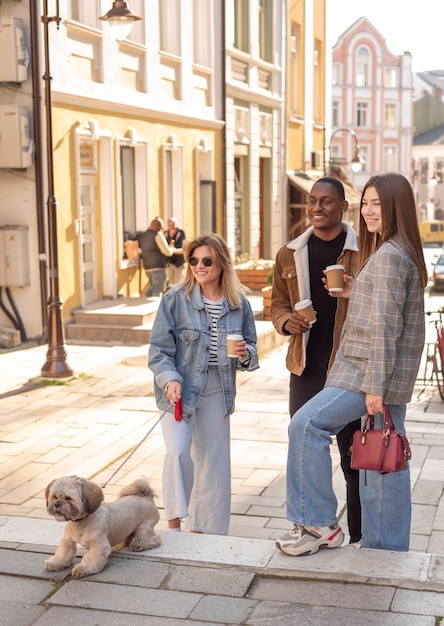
[298, 397]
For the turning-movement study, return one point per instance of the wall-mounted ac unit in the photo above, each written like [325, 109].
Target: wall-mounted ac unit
[13, 54]
[16, 147]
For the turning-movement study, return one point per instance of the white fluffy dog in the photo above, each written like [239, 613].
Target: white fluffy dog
[98, 527]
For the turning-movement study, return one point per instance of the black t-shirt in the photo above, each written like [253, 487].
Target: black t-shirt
[320, 254]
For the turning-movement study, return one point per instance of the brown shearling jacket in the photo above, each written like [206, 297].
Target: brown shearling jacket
[291, 283]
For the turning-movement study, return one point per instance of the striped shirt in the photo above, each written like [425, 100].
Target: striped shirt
[213, 308]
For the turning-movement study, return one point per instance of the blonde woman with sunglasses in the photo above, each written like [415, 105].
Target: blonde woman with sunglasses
[195, 379]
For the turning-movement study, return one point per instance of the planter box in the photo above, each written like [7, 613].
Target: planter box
[266, 301]
[254, 279]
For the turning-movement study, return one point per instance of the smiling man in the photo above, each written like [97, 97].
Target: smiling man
[298, 275]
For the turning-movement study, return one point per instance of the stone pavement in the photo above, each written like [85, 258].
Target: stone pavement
[89, 425]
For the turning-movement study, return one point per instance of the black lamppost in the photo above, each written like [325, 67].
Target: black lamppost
[356, 162]
[56, 365]
[121, 19]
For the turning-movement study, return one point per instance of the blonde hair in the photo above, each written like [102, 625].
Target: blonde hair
[398, 217]
[231, 287]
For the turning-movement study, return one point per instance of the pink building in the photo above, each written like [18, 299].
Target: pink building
[372, 95]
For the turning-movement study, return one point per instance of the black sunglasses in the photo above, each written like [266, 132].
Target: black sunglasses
[207, 261]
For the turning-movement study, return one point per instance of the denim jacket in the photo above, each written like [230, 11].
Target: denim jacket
[180, 347]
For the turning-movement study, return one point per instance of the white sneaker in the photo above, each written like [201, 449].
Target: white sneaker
[305, 540]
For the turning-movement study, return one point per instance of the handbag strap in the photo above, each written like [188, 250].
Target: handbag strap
[369, 422]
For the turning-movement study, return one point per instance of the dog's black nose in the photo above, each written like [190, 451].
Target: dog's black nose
[57, 505]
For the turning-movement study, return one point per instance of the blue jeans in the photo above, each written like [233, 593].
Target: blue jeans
[385, 498]
[156, 282]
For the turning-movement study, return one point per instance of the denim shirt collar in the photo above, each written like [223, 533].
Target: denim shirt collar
[198, 303]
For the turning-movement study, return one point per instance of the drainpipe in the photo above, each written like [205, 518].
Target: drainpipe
[38, 161]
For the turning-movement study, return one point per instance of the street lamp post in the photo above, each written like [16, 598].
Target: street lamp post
[356, 162]
[121, 19]
[55, 365]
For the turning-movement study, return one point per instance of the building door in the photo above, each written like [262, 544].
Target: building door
[87, 231]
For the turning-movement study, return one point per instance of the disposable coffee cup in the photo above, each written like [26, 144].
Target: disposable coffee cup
[305, 308]
[335, 277]
[232, 341]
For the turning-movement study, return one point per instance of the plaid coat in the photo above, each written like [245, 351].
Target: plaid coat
[384, 332]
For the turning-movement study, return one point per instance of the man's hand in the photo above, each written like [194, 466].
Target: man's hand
[297, 325]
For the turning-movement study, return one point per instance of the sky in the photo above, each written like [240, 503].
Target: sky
[416, 26]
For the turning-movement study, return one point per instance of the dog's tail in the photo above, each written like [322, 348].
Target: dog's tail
[139, 487]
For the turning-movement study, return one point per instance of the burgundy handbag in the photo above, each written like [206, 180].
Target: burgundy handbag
[381, 450]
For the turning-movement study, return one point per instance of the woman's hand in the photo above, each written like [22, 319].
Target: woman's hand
[174, 391]
[374, 404]
[242, 350]
[348, 284]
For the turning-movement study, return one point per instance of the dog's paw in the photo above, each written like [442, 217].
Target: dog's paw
[139, 544]
[79, 571]
[55, 566]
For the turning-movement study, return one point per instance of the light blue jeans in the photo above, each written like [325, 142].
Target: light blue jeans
[385, 498]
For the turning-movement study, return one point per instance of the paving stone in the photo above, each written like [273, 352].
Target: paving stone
[353, 596]
[19, 613]
[24, 590]
[219, 610]
[285, 614]
[57, 615]
[125, 599]
[224, 582]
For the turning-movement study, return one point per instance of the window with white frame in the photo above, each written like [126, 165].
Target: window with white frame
[128, 187]
[317, 77]
[83, 12]
[337, 73]
[173, 183]
[265, 8]
[133, 166]
[335, 117]
[294, 69]
[391, 77]
[169, 17]
[390, 115]
[389, 158]
[365, 155]
[241, 25]
[202, 39]
[137, 33]
[362, 67]
[362, 115]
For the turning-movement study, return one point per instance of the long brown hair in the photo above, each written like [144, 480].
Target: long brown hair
[398, 218]
[229, 282]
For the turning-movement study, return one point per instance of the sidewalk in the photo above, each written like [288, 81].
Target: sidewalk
[89, 425]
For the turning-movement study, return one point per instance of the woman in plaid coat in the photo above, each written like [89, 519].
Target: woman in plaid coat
[377, 362]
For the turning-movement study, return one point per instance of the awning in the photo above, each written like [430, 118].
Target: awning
[305, 182]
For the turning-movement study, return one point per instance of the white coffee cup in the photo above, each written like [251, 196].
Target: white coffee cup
[232, 341]
[305, 308]
[335, 278]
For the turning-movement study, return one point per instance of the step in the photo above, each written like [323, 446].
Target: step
[267, 338]
[109, 333]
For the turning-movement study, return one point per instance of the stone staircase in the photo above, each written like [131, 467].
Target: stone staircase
[129, 321]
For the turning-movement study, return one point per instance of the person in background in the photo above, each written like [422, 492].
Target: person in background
[155, 252]
[175, 237]
[376, 363]
[189, 360]
[298, 275]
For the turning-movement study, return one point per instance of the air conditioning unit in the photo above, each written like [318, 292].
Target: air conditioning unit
[316, 160]
[13, 53]
[16, 146]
